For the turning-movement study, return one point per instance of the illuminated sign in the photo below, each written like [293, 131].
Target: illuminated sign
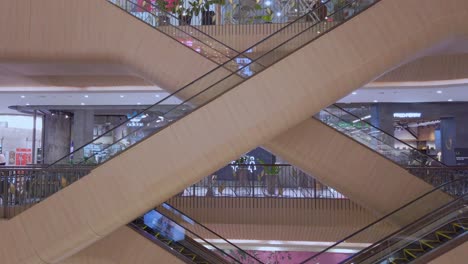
[135, 121]
[407, 115]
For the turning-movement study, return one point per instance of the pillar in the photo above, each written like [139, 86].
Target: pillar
[448, 140]
[56, 137]
[82, 132]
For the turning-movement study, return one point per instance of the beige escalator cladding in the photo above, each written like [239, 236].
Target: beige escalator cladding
[318, 150]
[254, 112]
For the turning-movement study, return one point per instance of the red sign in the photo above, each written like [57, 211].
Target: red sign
[23, 156]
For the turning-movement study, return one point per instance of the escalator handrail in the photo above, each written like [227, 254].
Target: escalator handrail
[190, 231]
[388, 134]
[211, 231]
[411, 225]
[383, 218]
[222, 65]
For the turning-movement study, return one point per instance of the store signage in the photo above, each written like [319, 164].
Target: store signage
[135, 121]
[407, 115]
[461, 156]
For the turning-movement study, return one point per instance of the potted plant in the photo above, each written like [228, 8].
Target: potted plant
[271, 174]
[203, 7]
[166, 6]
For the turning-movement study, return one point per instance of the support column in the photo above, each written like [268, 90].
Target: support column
[448, 140]
[82, 131]
[56, 137]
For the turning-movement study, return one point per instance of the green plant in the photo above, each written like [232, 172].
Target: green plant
[270, 169]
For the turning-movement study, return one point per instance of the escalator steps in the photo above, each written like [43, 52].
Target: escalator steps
[429, 242]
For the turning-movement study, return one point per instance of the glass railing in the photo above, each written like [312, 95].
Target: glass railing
[405, 217]
[191, 37]
[188, 237]
[374, 138]
[200, 92]
[420, 238]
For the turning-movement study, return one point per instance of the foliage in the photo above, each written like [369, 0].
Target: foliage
[271, 169]
[194, 7]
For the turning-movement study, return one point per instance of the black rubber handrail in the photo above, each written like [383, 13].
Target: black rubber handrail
[211, 231]
[388, 134]
[411, 226]
[383, 218]
[332, 114]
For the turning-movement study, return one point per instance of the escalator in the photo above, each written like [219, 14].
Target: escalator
[159, 225]
[132, 177]
[422, 238]
[368, 159]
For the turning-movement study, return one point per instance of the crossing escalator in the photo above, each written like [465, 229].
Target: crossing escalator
[421, 237]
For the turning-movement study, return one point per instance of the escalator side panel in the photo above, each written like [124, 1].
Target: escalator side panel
[456, 255]
[89, 32]
[254, 112]
[123, 246]
[351, 168]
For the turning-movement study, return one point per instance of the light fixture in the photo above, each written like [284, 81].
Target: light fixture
[86, 96]
[363, 118]
[157, 95]
[82, 103]
[138, 103]
[66, 116]
[439, 92]
[268, 3]
[450, 100]
[376, 101]
[122, 96]
[23, 96]
[354, 93]
[278, 13]
[27, 103]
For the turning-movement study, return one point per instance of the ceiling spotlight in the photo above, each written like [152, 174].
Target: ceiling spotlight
[66, 116]
[23, 96]
[86, 96]
[450, 100]
[268, 3]
[157, 95]
[27, 103]
[354, 93]
[138, 103]
[278, 13]
[439, 92]
[122, 96]
[376, 101]
[82, 103]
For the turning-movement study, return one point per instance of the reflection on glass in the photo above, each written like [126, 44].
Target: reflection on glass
[162, 224]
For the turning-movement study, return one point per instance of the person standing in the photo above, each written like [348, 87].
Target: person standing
[2, 160]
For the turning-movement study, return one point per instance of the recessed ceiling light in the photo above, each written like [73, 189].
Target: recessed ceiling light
[27, 103]
[439, 92]
[23, 96]
[450, 100]
[157, 95]
[376, 101]
[138, 103]
[354, 93]
[86, 96]
[82, 103]
[122, 96]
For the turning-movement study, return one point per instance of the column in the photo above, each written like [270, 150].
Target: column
[82, 131]
[448, 140]
[56, 137]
